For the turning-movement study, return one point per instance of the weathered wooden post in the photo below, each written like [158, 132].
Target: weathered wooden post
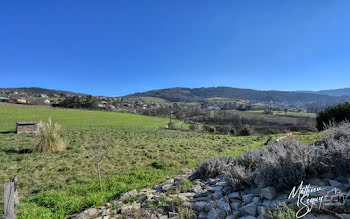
[10, 199]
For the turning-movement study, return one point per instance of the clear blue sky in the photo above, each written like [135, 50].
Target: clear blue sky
[119, 47]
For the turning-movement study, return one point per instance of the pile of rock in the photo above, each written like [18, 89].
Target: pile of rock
[211, 199]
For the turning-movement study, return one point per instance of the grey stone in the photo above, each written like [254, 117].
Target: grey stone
[196, 189]
[256, 199]
[87, 213]
[260, 210]
[182, 197]
[216, 213]
[173, 214]
[341, 179]
[153, 216]
[129, 194]
[202, 215]
[217, 195]
[167, 187]
[133, 206]
[248, 217]
[247, 198]
[224, 205]
[234, 195]
[334, 183]
[325, 216]
[209, 206]
[235, 206]
[170, 181]
[250, 209]
[201, 194]
[318, 182]
[215, 188]
[199, 206]
[268, 193]
[345, 216]
[233, 215]
[187, 194]
[187, 204]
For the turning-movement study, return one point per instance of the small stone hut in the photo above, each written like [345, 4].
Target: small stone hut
[27, 127]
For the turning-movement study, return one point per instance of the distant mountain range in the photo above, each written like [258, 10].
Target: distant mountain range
[180, 94]
[33, 91]
[334, 92]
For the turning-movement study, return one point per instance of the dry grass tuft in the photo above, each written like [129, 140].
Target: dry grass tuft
[49, 139]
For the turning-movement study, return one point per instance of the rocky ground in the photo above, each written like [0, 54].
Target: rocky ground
[182, 198]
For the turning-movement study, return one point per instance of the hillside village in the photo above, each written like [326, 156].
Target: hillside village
[140, 105]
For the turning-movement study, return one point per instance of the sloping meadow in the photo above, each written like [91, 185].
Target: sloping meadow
[54, 185]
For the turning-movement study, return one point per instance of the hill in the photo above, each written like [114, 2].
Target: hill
[34, 91]
[179, 94]
[333, 92]
[336, 92]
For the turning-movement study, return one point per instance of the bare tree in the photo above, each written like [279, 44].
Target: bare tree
[100, 149]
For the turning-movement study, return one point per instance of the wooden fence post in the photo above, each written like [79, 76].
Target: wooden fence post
[10, 199]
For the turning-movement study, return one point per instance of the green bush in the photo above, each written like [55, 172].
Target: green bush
[333, 114]
[194, 127]
[222, 129]
[245, 131]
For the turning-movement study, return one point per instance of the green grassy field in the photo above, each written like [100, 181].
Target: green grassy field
[141, 153]
[275, 118]
[70, 119]
[152, 100]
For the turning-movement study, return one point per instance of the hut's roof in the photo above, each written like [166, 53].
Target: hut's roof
[27, 123]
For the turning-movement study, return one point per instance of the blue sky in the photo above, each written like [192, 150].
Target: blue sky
[119, 47]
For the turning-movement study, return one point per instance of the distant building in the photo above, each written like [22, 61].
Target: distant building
[21, 100]
[4, 99]
[132, 111]
[101, 105]
[27, 127]
[43, 95]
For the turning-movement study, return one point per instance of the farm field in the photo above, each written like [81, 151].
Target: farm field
[71, 119]
[141, 153]
[277, 117]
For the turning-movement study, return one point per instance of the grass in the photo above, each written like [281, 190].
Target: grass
[150, 100]
[277, 118]
[74, 119]
[140, 154]
[62, 183]
[222, 99]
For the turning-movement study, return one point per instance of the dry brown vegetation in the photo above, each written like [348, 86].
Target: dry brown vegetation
[49, 138]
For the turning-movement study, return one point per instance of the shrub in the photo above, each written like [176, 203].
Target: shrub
[212, 168]
[223, 129]
[282, 212]
[194, 127]
[233, 131]
[245, 131]
[336, 114]
[49, 138]
[208, 128]
[285, 163]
